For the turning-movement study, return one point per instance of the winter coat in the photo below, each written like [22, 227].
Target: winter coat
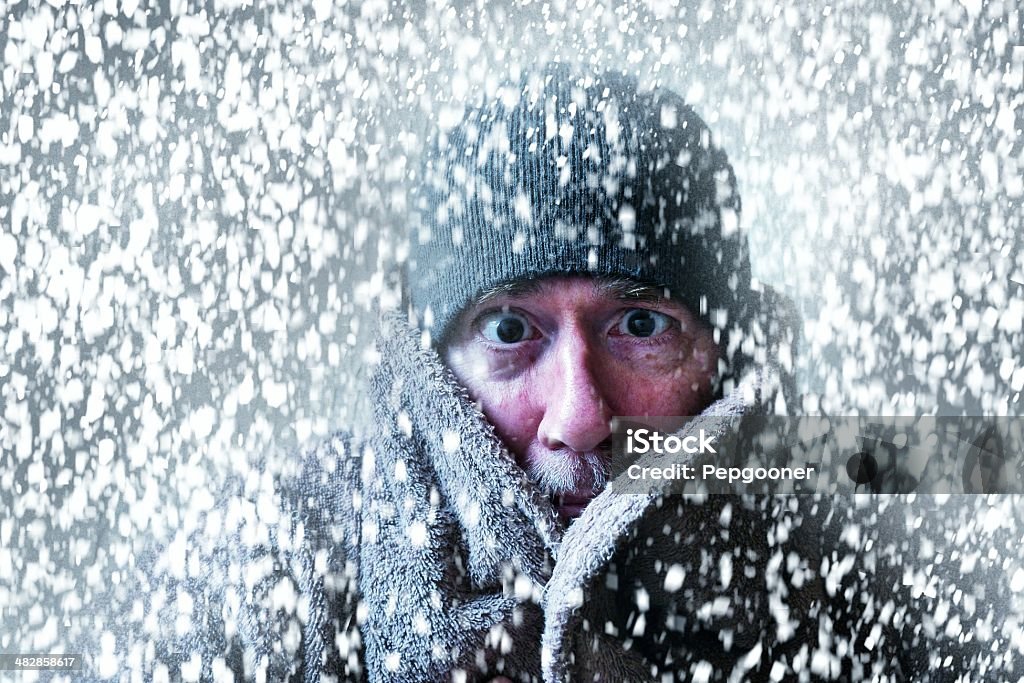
[422, 553]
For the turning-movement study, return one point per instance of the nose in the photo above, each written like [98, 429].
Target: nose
[576, 414]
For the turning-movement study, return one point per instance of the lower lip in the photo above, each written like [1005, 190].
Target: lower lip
[570, 506]
[570, 511]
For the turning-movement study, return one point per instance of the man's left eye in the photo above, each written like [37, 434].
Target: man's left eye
[640, 322]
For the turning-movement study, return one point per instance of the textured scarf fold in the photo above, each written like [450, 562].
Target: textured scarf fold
[456, 543]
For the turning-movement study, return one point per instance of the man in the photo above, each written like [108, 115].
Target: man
[576, 257]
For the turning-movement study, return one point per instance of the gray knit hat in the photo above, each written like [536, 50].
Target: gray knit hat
[577, 174]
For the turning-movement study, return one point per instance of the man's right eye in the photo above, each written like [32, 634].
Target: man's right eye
[505, 327]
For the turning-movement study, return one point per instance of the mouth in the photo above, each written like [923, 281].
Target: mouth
[570, 506]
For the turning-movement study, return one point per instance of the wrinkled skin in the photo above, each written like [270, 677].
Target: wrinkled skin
[550, 365]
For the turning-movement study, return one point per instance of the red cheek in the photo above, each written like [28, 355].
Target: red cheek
[671, 394]
[514, 419]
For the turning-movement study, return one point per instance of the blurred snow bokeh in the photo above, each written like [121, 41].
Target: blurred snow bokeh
[200, 205]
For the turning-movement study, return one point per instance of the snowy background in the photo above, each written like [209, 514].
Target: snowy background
[200, 205]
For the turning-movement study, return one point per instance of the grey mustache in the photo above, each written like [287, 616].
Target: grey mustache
[569, 472]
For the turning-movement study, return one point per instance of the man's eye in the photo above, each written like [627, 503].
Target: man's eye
[506, 328]
[641, 322]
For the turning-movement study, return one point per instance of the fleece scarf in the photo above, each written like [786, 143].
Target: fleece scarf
[455, 541]
[465, 567]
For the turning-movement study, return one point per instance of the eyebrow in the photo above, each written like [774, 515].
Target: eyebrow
[515, 290]
[622, 288]
[627, 289]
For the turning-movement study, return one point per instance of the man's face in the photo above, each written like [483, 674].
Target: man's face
[550, 362]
